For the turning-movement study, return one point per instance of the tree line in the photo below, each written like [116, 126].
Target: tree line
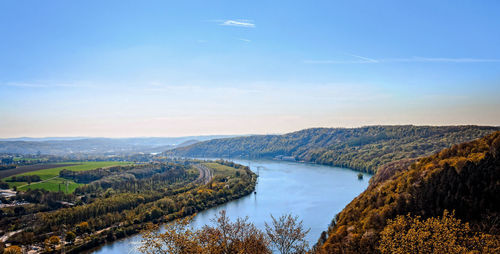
[363, 149]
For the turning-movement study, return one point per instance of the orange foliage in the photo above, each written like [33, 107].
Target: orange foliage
[462, 178]
[14, 249]
[407, 234]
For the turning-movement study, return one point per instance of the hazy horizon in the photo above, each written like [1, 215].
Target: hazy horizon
[96, 137]
[166, 69]
[228, 135]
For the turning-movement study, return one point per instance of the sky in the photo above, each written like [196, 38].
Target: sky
[177, 68]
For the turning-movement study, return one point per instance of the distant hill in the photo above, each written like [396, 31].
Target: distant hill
[364, 148]
[464, 179]
[97, 146]
[42, 139]
[187, 143]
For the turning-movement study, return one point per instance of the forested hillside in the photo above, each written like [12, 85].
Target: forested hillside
[364, 148]
[444, 203]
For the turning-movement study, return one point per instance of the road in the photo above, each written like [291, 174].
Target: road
[206, 174]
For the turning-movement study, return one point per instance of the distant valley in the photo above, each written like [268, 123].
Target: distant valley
[97, 146]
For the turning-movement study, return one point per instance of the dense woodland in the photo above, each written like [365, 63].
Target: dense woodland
[410, 203]
[118, 201]
[364, 149]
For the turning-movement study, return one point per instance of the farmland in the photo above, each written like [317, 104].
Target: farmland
[225, 168]
[222, 170]
[50, 176]
[29, 168]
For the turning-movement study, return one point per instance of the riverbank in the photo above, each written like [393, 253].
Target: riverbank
[312, 192]
[206, 174]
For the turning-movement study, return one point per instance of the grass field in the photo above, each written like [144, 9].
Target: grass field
[51, 180]
[222, 170]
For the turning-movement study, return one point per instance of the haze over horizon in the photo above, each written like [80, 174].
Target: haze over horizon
[164, 69]
[46, 138]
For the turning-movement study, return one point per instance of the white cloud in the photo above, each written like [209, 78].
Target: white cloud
[443, 60]
[336, 61]
[365, 59]
[243, 39]
[238, 23]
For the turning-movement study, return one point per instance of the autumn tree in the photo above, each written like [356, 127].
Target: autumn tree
[446, 234]
[54, 240]
[14, 249]
[51, 243]
[228, 237]
[70, 236]
[178, 238]
[83, 227]
[287, 234]
[225, 237]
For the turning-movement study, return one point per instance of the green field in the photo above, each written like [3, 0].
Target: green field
[222, 170]
[51, 180]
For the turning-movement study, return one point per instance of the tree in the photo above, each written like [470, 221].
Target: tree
[446, 234]
[14, 249]
[178, 238]
[70, 236]
[287, 234]
[228, 237]
[156, 213]
[225, 237]
[51, 243]
[4, 185]
[54, 240]
[83, 227]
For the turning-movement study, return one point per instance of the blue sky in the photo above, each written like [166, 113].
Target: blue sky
[165, 68]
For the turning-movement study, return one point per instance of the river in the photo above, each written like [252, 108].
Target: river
[313, 192]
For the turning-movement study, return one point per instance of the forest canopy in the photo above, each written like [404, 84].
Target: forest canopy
[363, 149]
[462, 179]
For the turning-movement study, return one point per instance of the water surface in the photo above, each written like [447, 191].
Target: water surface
[313, 192]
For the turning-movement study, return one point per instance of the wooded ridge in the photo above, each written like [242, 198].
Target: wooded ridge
[459, 183]
[363, 149]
